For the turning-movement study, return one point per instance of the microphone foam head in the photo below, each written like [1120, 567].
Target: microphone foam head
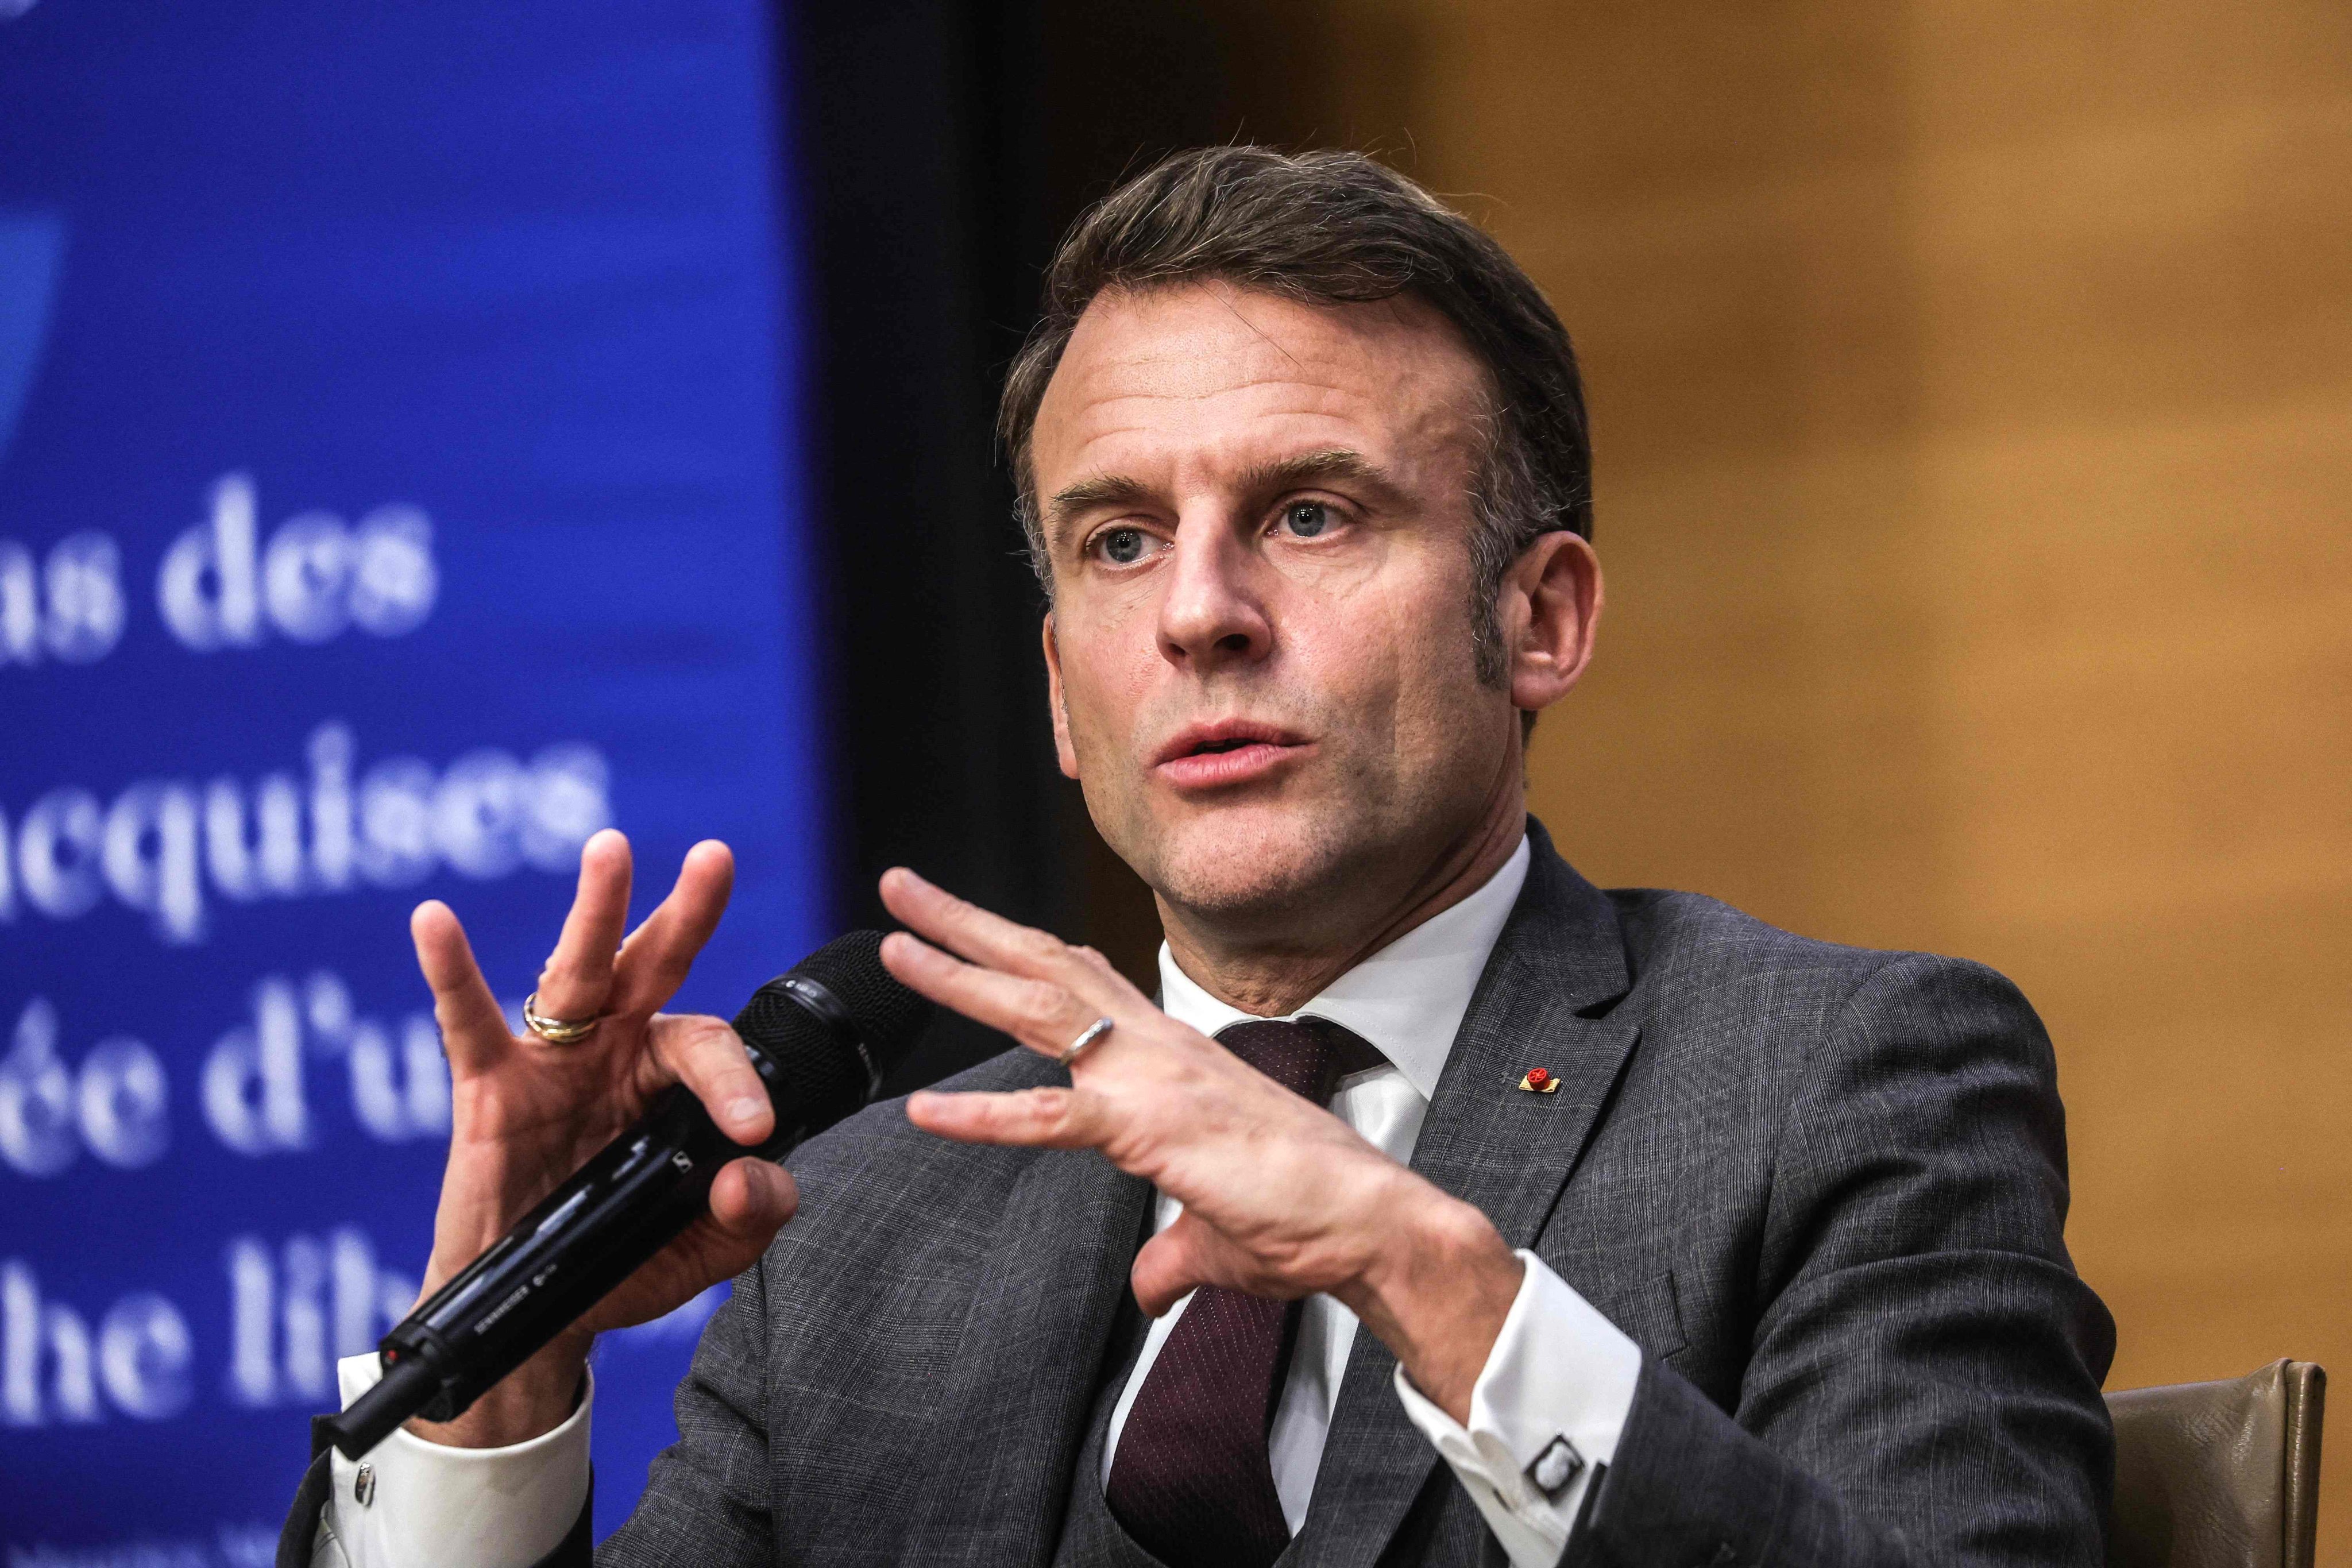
[889, 1017]
[830, 1031]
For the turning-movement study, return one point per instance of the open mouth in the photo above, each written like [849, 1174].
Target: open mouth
[1230, 751]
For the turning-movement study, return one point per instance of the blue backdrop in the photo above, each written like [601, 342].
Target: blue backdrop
[398, 482]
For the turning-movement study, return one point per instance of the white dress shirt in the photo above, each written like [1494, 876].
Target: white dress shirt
[1559, 1381]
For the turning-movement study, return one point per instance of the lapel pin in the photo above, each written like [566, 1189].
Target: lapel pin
[1539, 1081]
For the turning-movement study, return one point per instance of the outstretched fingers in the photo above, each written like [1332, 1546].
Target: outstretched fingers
[473, 1030]
[654, 960]
[994, 942]
[578, 979]
[1029, 1117]
[1043, 1015]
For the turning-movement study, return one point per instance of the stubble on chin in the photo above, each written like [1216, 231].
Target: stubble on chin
[1255, 873]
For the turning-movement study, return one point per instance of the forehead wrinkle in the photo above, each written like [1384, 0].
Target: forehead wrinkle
[1184, 378]
[1314, 339]
[1188, 371]
[1137, 388]
[1342, 411]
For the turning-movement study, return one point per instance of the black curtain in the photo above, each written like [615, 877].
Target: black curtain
[938, 150]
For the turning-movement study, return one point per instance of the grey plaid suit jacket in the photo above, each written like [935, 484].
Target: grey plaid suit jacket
[1823, 1187]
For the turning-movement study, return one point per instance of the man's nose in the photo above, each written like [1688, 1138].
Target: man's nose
[1213, 615]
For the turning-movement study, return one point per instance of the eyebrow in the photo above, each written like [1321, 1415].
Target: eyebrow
[1331, 463]
[1319, 468]
[1098, 490]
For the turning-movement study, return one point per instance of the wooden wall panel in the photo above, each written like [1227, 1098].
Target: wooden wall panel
[1973, 388]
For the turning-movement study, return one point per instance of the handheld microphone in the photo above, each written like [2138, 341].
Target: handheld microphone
[822, 1039]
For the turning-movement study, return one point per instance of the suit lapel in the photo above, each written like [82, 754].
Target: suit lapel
[1025, 1371]
[1541, 1002]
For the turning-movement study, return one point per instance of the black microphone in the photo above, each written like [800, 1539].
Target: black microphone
[822, 1038]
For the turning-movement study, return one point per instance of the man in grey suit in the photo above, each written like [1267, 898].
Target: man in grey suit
[1442, 1208]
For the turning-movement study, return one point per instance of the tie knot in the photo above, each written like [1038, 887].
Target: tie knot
[1307, 1057]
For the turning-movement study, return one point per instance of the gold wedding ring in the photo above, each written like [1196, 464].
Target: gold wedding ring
[557, 1031]
[1077, 1048]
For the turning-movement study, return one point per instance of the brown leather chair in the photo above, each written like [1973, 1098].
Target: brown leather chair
[2219, 1475]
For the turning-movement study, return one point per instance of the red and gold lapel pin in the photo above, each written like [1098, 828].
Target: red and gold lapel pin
[1539, 1081]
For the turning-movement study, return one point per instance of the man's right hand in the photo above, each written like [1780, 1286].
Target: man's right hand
[526, 1114]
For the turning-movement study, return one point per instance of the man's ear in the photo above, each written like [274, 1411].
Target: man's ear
[1555, 588]
[1063, 753]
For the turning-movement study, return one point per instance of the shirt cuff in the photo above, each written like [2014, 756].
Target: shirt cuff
[427, 1503]
[1545, 1415]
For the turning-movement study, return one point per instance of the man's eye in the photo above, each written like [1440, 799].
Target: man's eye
[1122, 546]
[1305, 519]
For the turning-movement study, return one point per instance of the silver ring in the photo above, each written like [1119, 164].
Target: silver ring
[1077, 1048]
[556, 1031]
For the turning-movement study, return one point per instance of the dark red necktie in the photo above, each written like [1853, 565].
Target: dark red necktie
[1192, 1480]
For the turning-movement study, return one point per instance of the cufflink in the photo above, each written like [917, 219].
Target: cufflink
[364, 1486]
[1557, 1465]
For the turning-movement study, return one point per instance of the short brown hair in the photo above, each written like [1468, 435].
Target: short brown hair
[1335, 228]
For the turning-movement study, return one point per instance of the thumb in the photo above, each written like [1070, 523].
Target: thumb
[751, 1201]
[1172, 1263]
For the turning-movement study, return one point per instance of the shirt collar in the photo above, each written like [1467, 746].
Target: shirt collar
[1407, 1000]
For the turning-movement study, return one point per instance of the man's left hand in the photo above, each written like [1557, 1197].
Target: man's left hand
[1281, 1198]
